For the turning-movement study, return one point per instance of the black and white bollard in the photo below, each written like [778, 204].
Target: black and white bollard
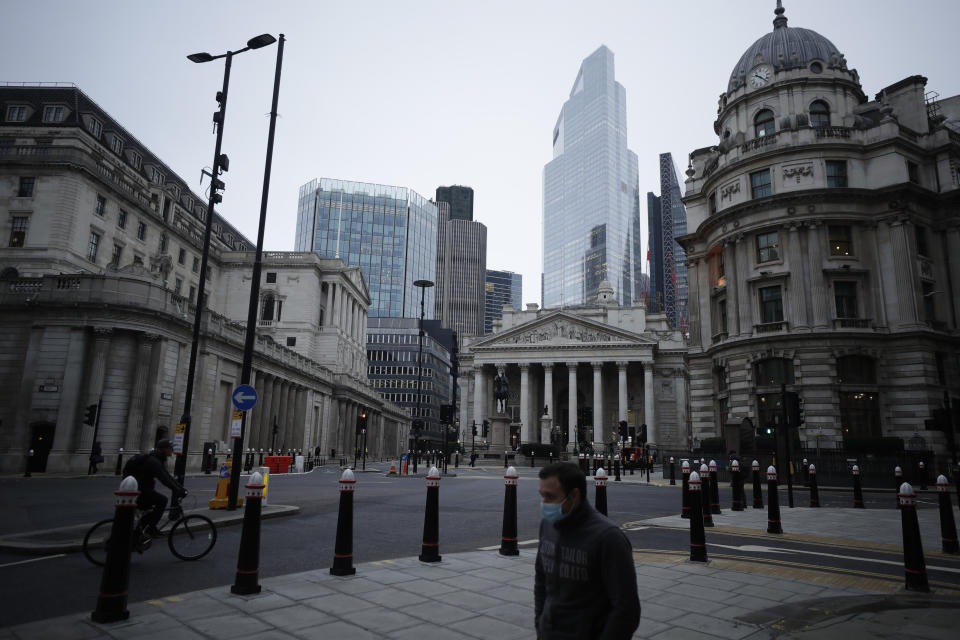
[698, 538]
[806, 472]
[948, 528]
[112, 601]
[430, 551]
[757, 490]
[685, 476]
[600, 496]
[898, 481]
[116, 471]
[673, 472]
[705, 481]
[914, 567]
[260, 464]
[773, 500]
[714, 488]
[812, 481]
[922, 472]
[857, 488]
[508, 538]
[736, 485]
[343, 548]
[247, 581]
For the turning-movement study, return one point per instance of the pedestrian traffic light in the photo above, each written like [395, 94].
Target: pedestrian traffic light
[474, 428]
[91, 414]
[361, 421]
[623, 429]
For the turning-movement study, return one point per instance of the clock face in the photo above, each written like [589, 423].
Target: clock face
[760, 76]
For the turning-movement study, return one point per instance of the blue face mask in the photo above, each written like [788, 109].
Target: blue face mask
[552, 511]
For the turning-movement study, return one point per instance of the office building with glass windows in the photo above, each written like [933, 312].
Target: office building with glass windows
[591, 209]
[502, 287]
[667, 221]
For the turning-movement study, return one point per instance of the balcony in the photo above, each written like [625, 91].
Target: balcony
[264, 323]
[770, 327]
[851, 323]
[759, 143]
[832, 132]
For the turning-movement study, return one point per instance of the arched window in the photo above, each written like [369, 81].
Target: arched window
[819, 114]
[266, 312]
[763, 123]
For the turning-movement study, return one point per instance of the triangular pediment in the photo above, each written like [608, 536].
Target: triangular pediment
[563, 328]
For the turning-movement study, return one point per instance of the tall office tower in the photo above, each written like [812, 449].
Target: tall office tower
[460, 200]
[591, 209]
[461, 268]
[502, 287]
[389, 232]
[667, 220]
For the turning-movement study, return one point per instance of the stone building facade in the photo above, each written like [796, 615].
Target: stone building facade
[823, 250]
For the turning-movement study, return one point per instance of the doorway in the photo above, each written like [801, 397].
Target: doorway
[41, 441]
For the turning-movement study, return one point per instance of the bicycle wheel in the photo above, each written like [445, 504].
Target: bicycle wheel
[192, 537]
[97, 541]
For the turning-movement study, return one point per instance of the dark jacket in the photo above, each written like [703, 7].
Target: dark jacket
[585, 586]
[154, 467]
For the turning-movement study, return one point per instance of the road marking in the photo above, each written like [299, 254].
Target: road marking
[625, 528]
[496, 546]
[762, 549]
[13, 564]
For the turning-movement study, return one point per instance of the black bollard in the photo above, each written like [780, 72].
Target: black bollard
[343, 548]
[247, 580]
[533, 459]
[706, 481]
[948, 528]
[508, 538]
[260, 464]
[685, 475]
[616, 469]
[857, 489]
[116, 471]
[922, 472]
[914, 567]
[506, 459]
[714, 488]
[112, 601]
[673, 472]
[812, 481]
[430, 551]
[600, 483]
[898, 480]
[648, 471]
[806, 472]
[773, 499]
[736, 486]
[698, 538]
[26, 470]
[757, 490]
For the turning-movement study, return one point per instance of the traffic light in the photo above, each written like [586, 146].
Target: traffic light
[643, 433]
[623, 429]
[474, 428]
[486, 428]
[91, 414]
[794, 409]
[361, 421]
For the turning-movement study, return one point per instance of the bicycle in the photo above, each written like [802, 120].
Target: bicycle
[190, 538]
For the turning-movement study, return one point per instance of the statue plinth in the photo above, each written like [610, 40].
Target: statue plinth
[499, 432]
[546, 429]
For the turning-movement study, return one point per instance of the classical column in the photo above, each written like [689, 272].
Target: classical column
[797, 311]
[98, 369]
[527, 426]
[906, 283]
[479, 409]
[744, 305]
[464, 382]
[548, 387]
[599, 424]
[328, 315]
[621, 390]
[572, 404]
[300, 417]
[818, 286]
[255, 417]
[693, 303]
[18, 434]
[74, 374]
[732, 286]
[284, 418]
[133, 436]
[274, 417]
[648, 416]
[158, 347]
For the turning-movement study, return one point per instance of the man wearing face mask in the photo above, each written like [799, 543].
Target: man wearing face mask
[585, 585]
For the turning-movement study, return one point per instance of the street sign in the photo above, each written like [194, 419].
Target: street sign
[244, 397]
[236, 424]
[178, 432]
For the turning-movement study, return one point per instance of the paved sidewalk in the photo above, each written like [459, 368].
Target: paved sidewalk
[481, 594]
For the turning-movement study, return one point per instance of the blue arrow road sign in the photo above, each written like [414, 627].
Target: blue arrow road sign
[244, 397]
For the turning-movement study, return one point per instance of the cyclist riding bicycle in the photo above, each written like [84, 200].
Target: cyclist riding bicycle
[146, 469]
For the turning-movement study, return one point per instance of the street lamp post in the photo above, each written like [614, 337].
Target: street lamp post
[219, 162]
[418, 421]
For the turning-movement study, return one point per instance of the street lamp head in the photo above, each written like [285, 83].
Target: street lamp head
[423, 283]
[200, 57]
[261, 41]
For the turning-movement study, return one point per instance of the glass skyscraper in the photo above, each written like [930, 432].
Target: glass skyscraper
[502, 287]
[591, 207]
[667, 220]
[389, 232]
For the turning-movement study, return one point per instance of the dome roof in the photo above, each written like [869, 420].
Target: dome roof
[786, 48]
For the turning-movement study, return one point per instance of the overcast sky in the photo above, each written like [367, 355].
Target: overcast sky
[427, 93]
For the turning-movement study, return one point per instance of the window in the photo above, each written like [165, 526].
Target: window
[722, 315]
[845, 296]
[117, 253]
[773, 371]
[713, 202]
[95, 127]
[156, 177]
[138, 260]
[54, 114]
[836, 173]
[767, 247]
[760, 183]
[841, 240]
[141, 231]
[819, 114]
[182, 256]
[136, 160]
[771, 304]
[193, 293]
[18, 231]
[93, 245]
[929, 307]
[921, 232]
[856, 369]
[196, 264]
[101, 207]
[291, 341]
[26, 187]
[16, 113]
[163, 243]
[271, 277]
[122, 219]
[763, 123]
[913, 172]
[117, 145]
[177, 286]
[816, 67]
[941, 359]
[860, 414]
[266, 308]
